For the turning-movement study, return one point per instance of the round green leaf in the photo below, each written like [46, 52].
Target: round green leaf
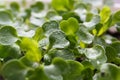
[37, 74]
[64, 53]
[5, 18]
[70, 14]
[91, 24]
[111, 53]
[37, 7]
[84, 36]
[116, 46]
[50, 27]
[96, 55]
[116, 49]
[15, 6]
[87, 74]
[60, 5]
[57, 40]
[64, 70]
[9, 51]
[13, 70]
[69, 26]
[8, 35]
[116, 17]
[31, 47]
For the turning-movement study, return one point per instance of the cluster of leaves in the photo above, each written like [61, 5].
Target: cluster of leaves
[63, 40]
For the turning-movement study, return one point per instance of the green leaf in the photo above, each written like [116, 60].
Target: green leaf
[5, 17]
[88, 65]
[50, 27]
[31, 47]
[64, 70]
[105, 14]
[91, 24]
[37, 7]
[37, 74]
[60, 5]
[105, 26]
[13, 70]
[108, 71]
[84, 36]
[111, 53]
[64, 53]
[71, 14]
[15, 6]
[53, 15]
[53, 71]
[89, 16]
[118, 27]
[100, 41]
[87, 74]
[116, 17]
[106, 20]
[69, 26]
[27, 14]
[96, 55]
[8, 35]
[81, 10]
[39, 34]
[116, 46]
[58, 40]
[10, 51]
[58, 70]
[75, 70]
[116, 54]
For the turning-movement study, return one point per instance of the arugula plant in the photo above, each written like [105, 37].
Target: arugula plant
[61, 40]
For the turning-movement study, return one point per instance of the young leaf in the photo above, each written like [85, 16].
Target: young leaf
[64, 53]
[91, 24]
[53, 15]
[62, 70]
[15, 6]
[58, 70]
[111, 53]
[10, 51]
[37, 7]
[96, 55]
[13, 70]
[32, 49]
[50, 27]
[71, 14]
[106, 20]
[105, 26]
[69, 26]
[8, 35]
[87, 74]
[5, 18]
[116, 17]
[37, 74]
[105, 14]
[58, 40]
[60, 5]
[39, 34]
[116, 46]
[84, 36]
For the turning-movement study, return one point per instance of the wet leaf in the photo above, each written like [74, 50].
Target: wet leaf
[8, 35]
